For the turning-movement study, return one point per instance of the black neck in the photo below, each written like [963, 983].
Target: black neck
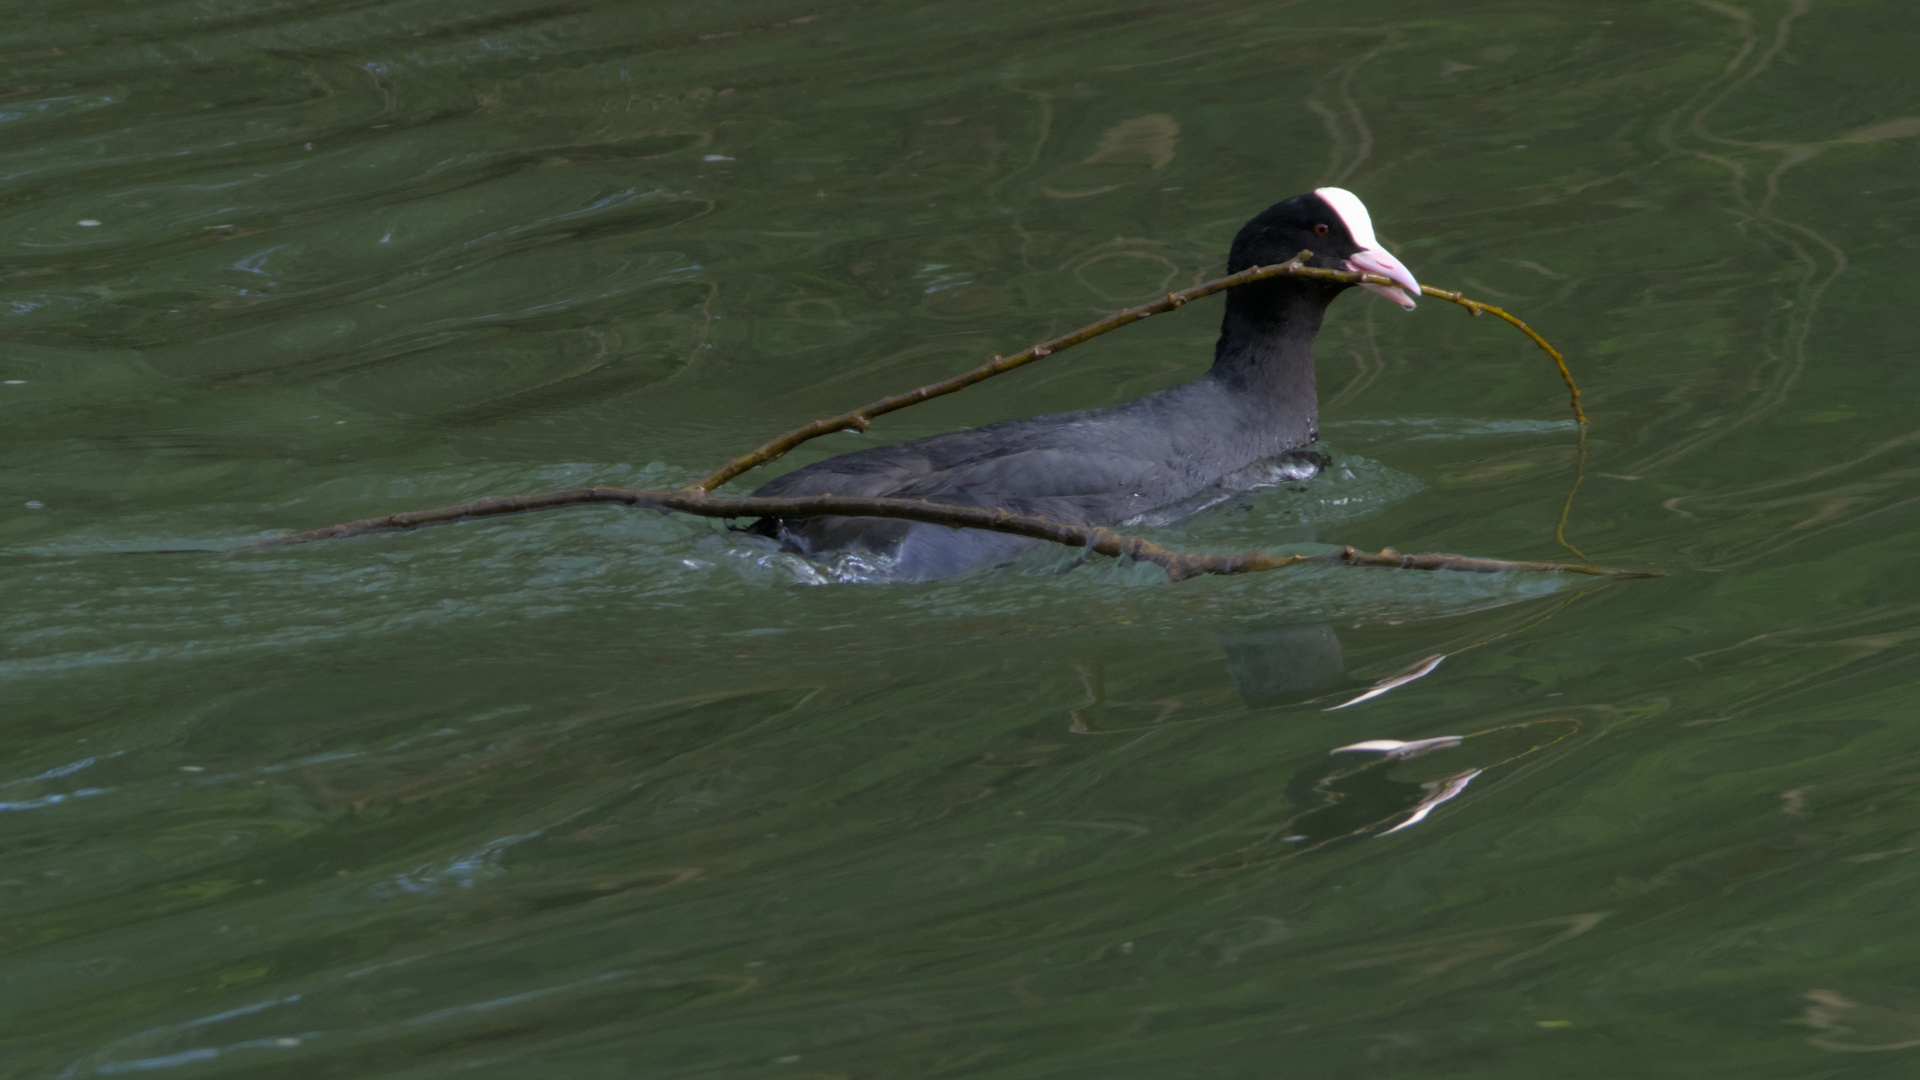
[1266, 342]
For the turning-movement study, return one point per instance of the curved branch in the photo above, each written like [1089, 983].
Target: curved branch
[861, 418]
[697, 498]
[1178, 565]
[1475, 307]
[858, 419]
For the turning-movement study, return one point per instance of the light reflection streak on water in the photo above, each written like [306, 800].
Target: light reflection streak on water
[58, 771]
[461, 871]
[182, 1057]
[52, 800]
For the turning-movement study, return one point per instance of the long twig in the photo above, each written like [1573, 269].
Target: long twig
[1475, 307]
[859, 419]
[1178, 565]
[697, 499]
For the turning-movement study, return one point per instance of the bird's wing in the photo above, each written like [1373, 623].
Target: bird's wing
[1039, 476]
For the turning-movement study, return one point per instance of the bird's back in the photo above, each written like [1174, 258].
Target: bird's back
[1093, 467]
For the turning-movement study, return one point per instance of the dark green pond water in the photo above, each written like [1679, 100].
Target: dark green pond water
[603, 793]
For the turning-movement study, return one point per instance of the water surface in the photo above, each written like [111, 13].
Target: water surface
[605, 793]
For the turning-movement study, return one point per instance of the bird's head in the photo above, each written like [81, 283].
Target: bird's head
[1332, 223]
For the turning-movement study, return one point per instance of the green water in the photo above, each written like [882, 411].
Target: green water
[601, 793]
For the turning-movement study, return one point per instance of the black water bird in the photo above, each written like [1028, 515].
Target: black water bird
[1246, 423]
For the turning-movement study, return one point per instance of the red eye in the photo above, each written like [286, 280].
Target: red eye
[1320, 229]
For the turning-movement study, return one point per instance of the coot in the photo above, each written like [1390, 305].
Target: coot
[1246, 423]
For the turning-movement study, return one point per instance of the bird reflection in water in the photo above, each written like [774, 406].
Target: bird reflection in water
[1282, 664]
[1274, 665]
[1384, 786]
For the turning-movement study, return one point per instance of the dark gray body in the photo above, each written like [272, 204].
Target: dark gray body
[1154, 459]
[1244, 424]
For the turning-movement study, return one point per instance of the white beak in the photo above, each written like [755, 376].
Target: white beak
[1373, 260]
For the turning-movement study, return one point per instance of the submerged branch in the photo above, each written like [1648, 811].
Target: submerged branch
[1178, 565]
